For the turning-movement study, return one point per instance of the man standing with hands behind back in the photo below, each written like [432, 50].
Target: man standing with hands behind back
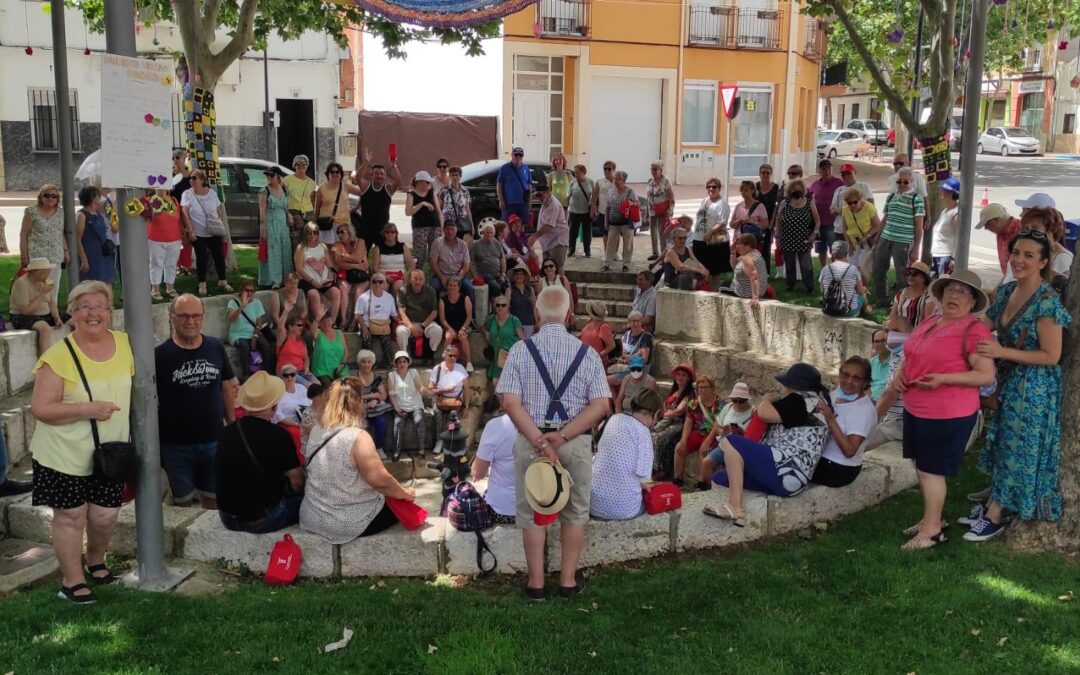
[555, 390]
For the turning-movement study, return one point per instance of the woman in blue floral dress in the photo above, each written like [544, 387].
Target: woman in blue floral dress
[274, 230]
[1022, 452]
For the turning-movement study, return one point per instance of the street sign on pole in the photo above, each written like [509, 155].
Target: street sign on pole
[728, 92]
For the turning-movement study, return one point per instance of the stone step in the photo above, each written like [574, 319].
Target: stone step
[596, 291]
[615, 308]
[436, 547]
[618, 325]
[17, 425]
[615, 276]
[24, 563]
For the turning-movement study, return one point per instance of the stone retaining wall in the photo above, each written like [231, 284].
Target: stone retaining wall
[438, 548]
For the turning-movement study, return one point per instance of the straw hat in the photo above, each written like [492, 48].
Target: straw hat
[547, 487]
[920, 266]
[39, 264]
[597, 310]
[969, 279]
[261, 392]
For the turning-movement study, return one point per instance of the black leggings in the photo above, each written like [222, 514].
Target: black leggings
[384, 520]
[205, 248]
[581, 222]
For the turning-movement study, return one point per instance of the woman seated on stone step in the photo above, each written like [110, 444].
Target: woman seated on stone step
[701, 425]
[623, 463]
[636, 341]
[32, 305]
[733, 419]
[668, 430]
[347, 484]
[850, 420]
[782, 462]
[448, 386]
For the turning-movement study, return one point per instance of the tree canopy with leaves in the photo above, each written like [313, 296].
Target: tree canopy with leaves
[249, 22]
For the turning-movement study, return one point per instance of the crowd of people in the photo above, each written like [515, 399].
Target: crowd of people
[289, 435]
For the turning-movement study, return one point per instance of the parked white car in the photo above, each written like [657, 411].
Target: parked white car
[833, 142]
[872, 131]
[1008, 141]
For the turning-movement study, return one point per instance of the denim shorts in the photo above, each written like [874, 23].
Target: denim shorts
[285, 513]
[190, 469]
[826, 237]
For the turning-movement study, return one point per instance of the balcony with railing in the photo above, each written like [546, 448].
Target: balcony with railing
[563, 18]
[816, 41]
[729, 27]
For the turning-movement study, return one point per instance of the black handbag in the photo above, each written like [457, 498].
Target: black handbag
[115, 460]
[327, 223]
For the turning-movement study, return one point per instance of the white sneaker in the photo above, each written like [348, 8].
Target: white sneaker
[468, 367]
[618, 257]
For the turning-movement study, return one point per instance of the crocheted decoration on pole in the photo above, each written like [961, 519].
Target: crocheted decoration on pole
[443, 13]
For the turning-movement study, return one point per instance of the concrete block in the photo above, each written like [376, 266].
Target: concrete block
[612, 292]
[29, 424]
[32, 523]
[18, 356]
[709, 360]
[503, 540]
[207, 540]
[667, 354]
[14, 430]
[902, 474]
[176, 521]
[610, 541]
[697, 530]
[689, 316]
[818, 503]
[858, 337]
[743, 329]
[481, 305]
[5, 504]
[823, 340]
[397, 552]
[783, 324]
[756, 370]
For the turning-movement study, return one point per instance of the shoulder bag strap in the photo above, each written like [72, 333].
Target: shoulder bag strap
[247, 446]
[307, 461]
[86, 386]
[517, 174]
[337, 198]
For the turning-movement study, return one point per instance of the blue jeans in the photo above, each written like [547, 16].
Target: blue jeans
[826, 237]
[522, 211]
[278, 517]
[496, 286]
[377, 428]
[190, 469]
[466, 288]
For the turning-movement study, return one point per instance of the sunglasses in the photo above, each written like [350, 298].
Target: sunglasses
[712, 187]
[854, 203]
[296, 325]
[391, 232]
[1034, 234]
[501, 304]
[445, 166]
[898, 164]
[50, 195]
[549, 267]
[903, 182]
[911, 273]
[288, 375]
[609, 168]
[739, 400]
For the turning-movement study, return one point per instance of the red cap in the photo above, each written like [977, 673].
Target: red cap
[847, 167]
[514, 218]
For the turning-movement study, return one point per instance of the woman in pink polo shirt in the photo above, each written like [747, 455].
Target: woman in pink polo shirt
[940, 379]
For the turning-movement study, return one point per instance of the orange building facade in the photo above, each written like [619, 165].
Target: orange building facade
[637, 81]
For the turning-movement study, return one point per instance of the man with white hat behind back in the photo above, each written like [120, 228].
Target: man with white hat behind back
[554, 389]
[995, 218]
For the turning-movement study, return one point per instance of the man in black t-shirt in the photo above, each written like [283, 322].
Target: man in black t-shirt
[259, 477]
[180, 180]
[196, 393]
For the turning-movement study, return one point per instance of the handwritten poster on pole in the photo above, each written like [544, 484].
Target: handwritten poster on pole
[136, 122]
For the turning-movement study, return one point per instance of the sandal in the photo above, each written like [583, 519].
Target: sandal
[68, 593]
[737, 519]
[155, 295]
[202, 290]
[93, 570]
[171, 292]
[920, 542]
[224, 285]
[914, 529]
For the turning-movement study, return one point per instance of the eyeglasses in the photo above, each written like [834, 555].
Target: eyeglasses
[92, 308]
[712, 187]
[301, 164]
[609, 168]
[188, 317]
[853, 203]
[959, 289]
[50, 195]
[288, 375]
[902, 182]
[450, 355]
[296, 325]
[444, 166]
[739, 400]
[391, 232]
[1034, 234]
[500, 304]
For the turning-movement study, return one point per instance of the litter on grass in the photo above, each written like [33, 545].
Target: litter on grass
[340, 644]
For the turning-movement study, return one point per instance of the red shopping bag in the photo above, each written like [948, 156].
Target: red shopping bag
[263, 252]
[408, 513]
[662, 497]
[755, 428]
[284, 563]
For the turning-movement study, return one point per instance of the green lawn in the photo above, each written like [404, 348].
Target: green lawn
[246, 258]
[847, 601]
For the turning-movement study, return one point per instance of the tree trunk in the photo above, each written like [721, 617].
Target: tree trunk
[1064, 535]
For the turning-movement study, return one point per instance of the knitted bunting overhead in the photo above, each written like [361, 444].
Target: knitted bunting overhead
[443, 13]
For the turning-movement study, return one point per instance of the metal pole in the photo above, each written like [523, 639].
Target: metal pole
[63, 124]
[138, 322]
[266, 105]
[973, 89]
[730, 146]
[915, 112]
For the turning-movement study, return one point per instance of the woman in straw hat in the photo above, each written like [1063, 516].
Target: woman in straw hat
[597, 331]
[940, 379]
[347, 483]
[31, 302]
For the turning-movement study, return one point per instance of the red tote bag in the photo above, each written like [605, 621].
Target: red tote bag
[408, 513]
[285, 559]
[662, 497]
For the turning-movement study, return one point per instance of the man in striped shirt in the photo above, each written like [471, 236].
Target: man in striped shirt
[901, 235]
[557, 431]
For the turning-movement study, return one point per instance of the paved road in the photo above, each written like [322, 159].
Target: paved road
[1007, 179]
